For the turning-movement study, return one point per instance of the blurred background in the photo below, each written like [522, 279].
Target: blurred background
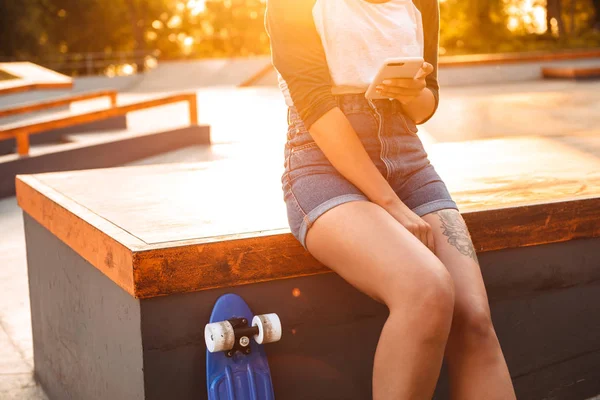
[122, 37]
[518, 123]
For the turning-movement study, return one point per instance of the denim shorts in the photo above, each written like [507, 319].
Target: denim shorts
[311, 184]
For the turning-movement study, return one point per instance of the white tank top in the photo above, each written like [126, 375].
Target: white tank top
[358, 36]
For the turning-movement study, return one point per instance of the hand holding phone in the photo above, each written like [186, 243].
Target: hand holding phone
[405, 76]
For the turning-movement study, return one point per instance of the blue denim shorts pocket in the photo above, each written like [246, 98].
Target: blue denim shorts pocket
[363, 122]
[311, 185]
[308, 159]
[404, 121]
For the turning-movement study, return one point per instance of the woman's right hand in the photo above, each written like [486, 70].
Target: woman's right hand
[411, 221]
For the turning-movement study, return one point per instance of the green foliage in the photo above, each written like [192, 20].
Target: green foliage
[224, 28]
[53, 29]
[471, 26]
[482, 26]
[21, 25]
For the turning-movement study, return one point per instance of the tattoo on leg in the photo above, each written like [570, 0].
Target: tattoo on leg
[456, 231]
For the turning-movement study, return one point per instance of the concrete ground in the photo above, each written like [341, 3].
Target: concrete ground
[249, 124]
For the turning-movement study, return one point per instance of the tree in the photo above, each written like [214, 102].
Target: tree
[554, 11]
[22, 27]
[596, 19]
[472, 26]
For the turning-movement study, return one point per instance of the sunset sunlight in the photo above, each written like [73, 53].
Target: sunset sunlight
[299, 199]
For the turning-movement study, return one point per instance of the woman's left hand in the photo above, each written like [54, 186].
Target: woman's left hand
[405, 90]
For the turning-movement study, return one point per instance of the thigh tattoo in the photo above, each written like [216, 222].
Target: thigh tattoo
[455, 229]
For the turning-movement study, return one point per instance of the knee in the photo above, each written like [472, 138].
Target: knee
[429, 303]
[434, 301]
[472, 325]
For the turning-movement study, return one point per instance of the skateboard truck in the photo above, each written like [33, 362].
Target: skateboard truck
[242, 333]
[234, 334]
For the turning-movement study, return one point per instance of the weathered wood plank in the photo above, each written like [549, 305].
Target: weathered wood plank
[220, 264]
[221, 224]
[98, 241]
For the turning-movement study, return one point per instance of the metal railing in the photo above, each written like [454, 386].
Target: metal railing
[82, 64]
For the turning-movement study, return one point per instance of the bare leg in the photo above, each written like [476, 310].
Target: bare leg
[476, 364]
[367, 247]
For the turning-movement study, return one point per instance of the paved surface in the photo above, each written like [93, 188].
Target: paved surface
[249, 124]
[16, 353]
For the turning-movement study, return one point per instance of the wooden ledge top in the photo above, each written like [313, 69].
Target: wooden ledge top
[30, 77]
[173, 228]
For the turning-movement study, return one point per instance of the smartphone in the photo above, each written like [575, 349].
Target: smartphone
[400, 67]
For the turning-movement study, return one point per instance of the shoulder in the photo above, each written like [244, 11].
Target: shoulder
[290, 7]
[293, 14]
[289, 16]
[427, 6]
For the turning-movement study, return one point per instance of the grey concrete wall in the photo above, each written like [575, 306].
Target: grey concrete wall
[545, 304]
[86, 330]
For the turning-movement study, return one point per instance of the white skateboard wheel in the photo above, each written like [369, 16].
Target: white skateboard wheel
[269, 328]
[219, 336]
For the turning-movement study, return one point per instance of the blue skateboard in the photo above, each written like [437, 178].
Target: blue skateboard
[236, 364]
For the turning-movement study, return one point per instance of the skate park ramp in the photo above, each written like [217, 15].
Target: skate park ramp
[17, 77]
[167, 77]
[194, 74]
[482, 69]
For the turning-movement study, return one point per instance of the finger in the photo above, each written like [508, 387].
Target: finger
[404, 99]
[424, 238]
[409, 83]
[431, 241]
[425, 70]
[419, 236]
[399, 91]
[415, 231]
[389, 93]
[418, 233]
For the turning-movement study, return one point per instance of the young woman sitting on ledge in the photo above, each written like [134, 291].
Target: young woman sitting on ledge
[363, 198]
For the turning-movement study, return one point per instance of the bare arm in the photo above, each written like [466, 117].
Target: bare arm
[420, 104]
[417, 99]
[335, 136]
[299, 57]
[421, 108]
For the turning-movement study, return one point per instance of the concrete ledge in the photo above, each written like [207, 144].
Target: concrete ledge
[577, 73]
[511, 58]
[479, 69]
[167, 240]
[8, 146]
[527, 202]
[113, 123]
[100, 155]
[91, 338]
